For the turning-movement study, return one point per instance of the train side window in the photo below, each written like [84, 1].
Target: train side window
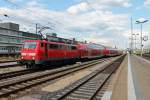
[73, 47]
[68, 47]
[49, 46]
[53, 46]
[42, 44]
[62, 47]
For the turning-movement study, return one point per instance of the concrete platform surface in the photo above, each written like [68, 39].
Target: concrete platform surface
[141, 77]
[120, 87]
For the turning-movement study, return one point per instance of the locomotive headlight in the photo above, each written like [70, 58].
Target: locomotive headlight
[32, 54]
[21, 57]
[23, 54]
[33, 58]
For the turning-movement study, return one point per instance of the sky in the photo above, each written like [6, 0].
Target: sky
[100, 21]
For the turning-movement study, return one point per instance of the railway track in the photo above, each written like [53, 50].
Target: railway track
[87, 88]
[146, 57]
[9, 64]
[22, 82]
[15, 73]
[25, 71]
[8, 61]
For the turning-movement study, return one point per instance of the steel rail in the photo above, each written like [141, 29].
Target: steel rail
[87, 87]
[20, 83]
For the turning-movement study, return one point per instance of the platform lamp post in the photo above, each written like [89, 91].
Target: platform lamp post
[141, 22]
[133, 46]
[135, 38]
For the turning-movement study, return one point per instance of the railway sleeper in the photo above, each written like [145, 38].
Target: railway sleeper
[89, 88]
[40, 80]
[5, 90]
[92, 77]
[81, 92]
[78, 96]
[26, 84]
[19, 85]
[85, 90]
[13, 88]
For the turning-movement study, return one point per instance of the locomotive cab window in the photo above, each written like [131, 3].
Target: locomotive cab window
[53, 46]
[30, 45]
[73, 47]
[42, 44]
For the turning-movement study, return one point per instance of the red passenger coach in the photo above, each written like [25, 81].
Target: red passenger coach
[110, 52]
[95, 50]
[106, 51]
[90, 50]
[83, 50]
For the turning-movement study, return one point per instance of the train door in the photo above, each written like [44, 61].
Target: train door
[46, 50]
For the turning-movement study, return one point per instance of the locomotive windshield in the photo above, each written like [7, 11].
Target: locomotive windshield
[30, 45]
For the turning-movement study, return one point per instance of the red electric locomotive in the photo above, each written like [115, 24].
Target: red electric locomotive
[37, 52]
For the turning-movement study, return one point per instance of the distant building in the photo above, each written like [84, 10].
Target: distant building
[146, 49]
[11, 38]
[10, 25]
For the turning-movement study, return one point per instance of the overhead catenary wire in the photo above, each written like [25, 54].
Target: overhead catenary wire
[50, 22]
[27, 9]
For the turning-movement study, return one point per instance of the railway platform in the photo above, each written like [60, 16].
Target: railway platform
[129, 82]
[140, 72]
[133, 80]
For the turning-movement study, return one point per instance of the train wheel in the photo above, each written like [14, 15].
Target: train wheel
[28, 66]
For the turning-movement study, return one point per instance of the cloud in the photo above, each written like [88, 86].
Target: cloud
[147, 3]
[13, 1]
[144, 5]
[118, 3]
[86, 5]
[79, 20]
[78, 8]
